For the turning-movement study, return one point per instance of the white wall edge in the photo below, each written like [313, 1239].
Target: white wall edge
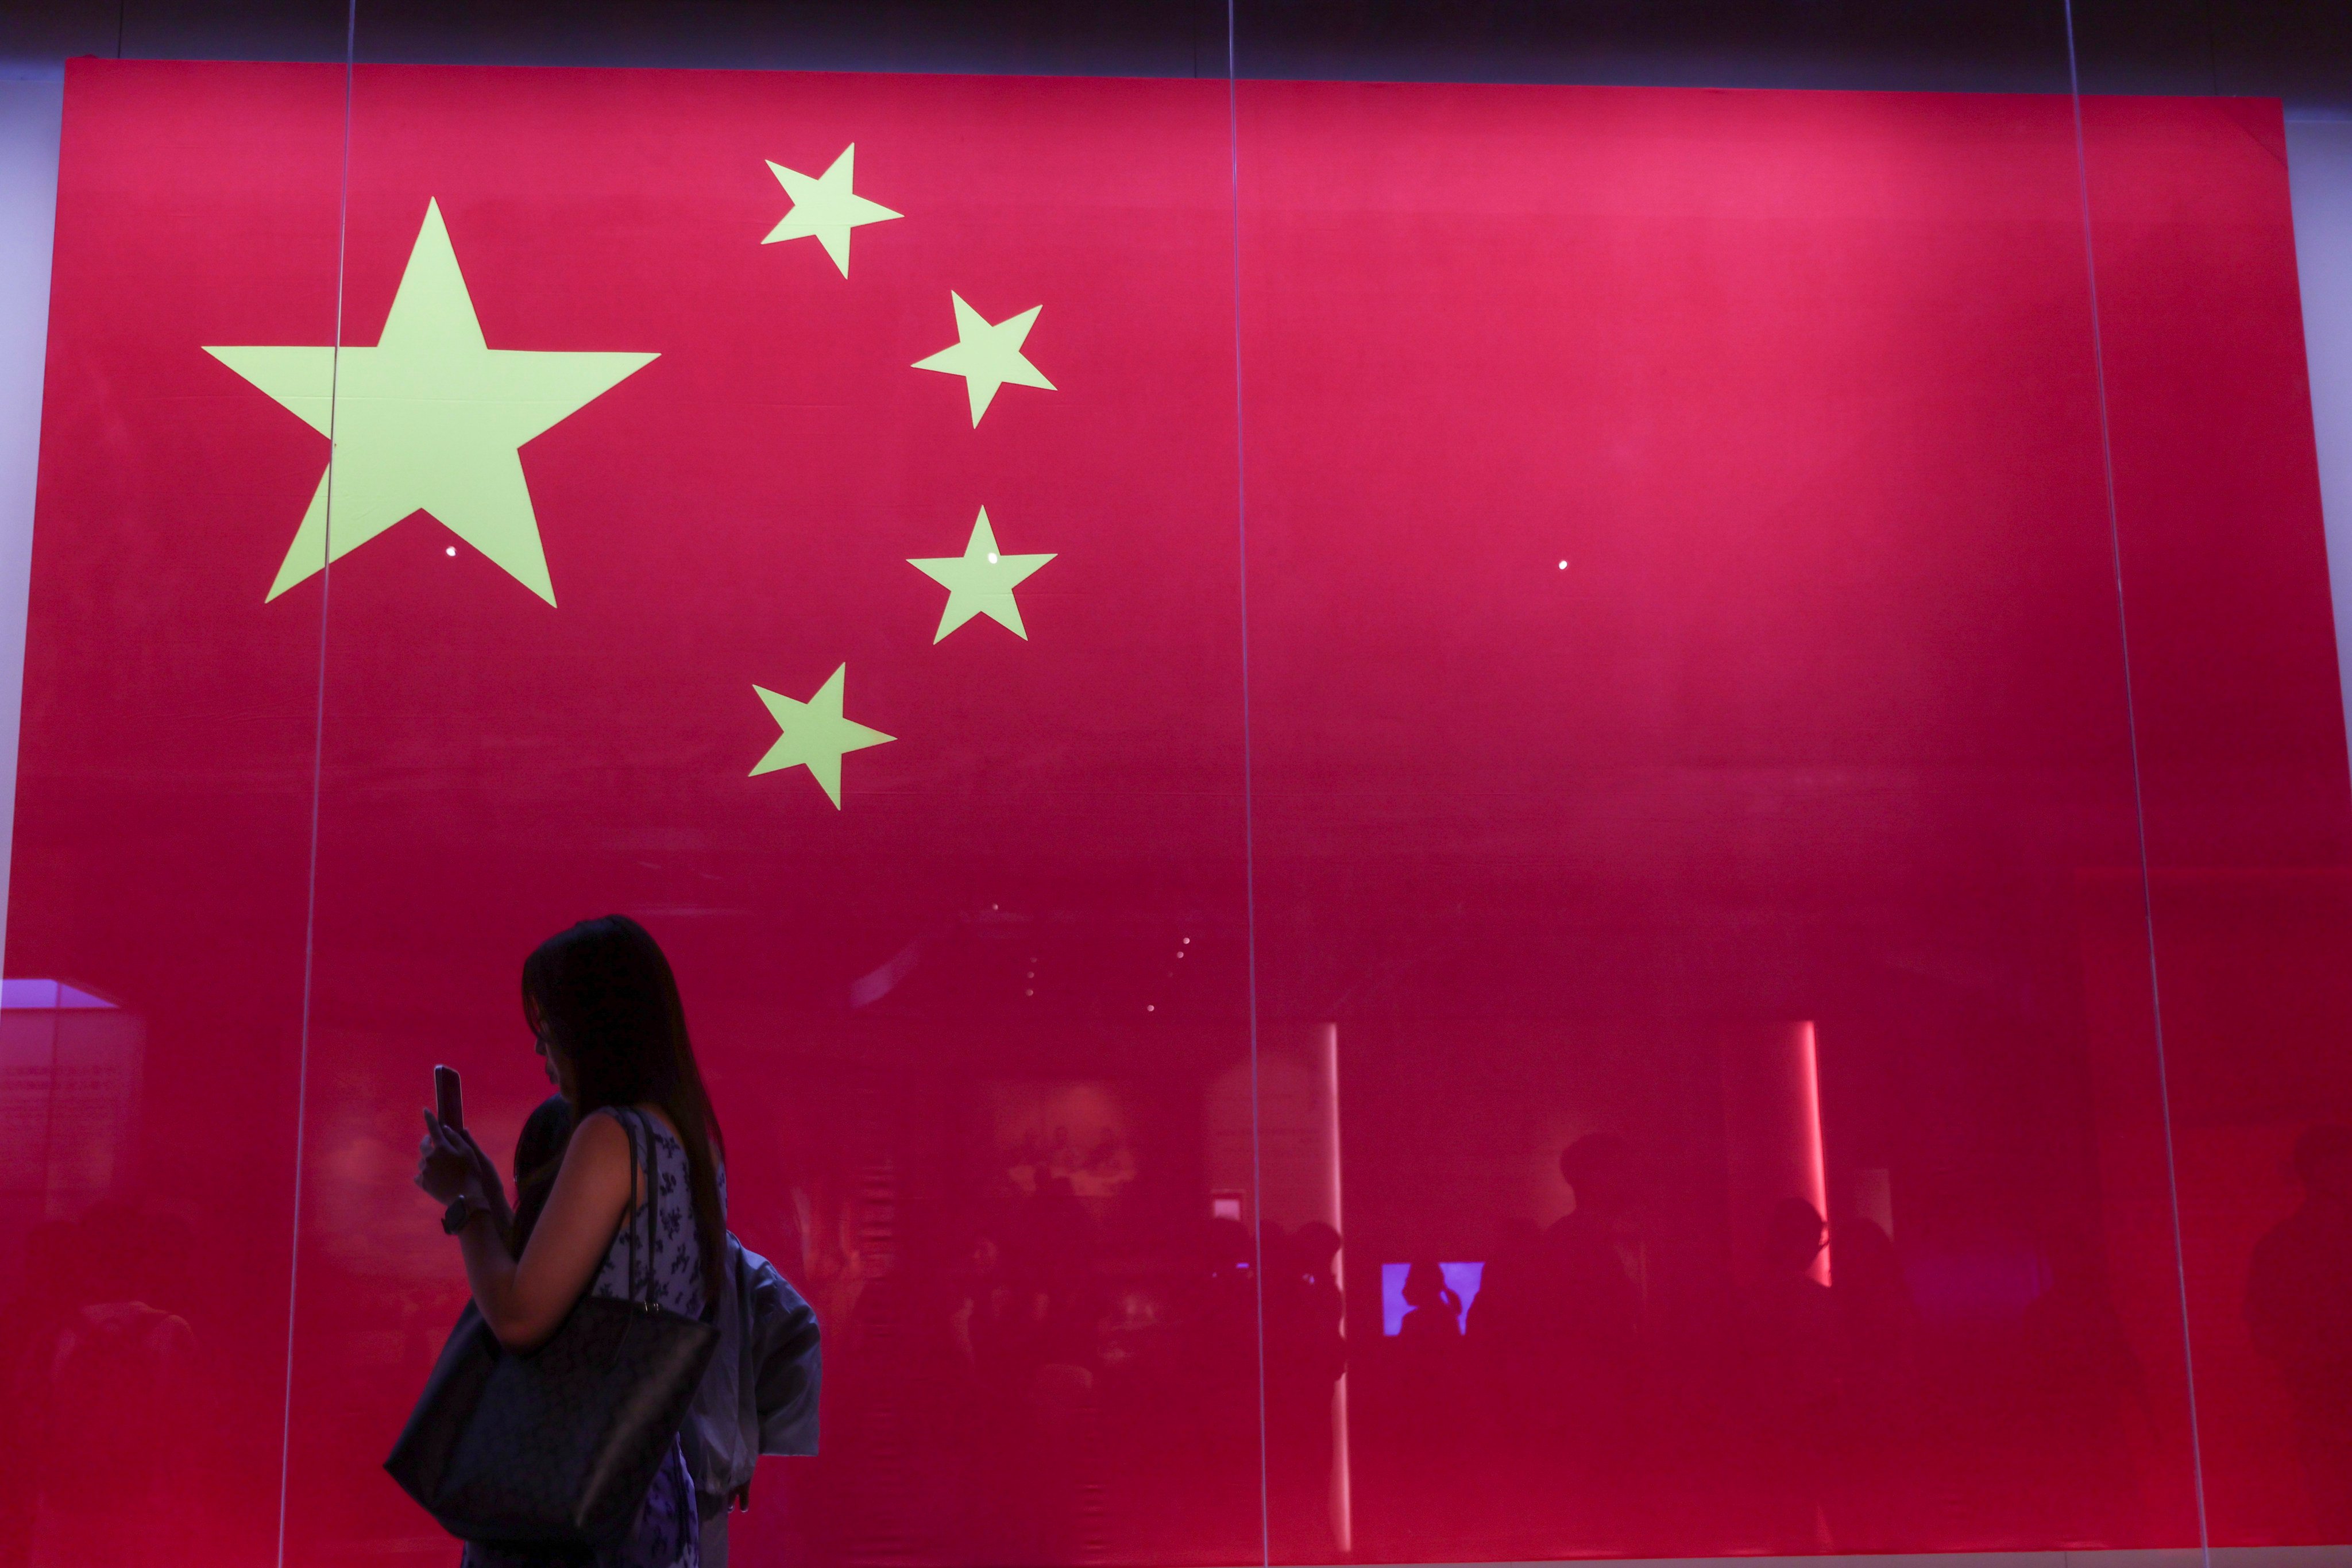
[30, 117]
[2319, 174]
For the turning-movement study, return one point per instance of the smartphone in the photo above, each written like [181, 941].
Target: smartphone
[448, 1101]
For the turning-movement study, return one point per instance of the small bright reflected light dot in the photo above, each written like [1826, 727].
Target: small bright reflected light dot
[1149, 1008]
[451, 551]
[991, 558]
[1563, 565]
[1028, 992]
[1188, 942]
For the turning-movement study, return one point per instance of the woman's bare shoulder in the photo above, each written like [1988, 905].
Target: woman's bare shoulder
[598, 1139]
[601, 1145]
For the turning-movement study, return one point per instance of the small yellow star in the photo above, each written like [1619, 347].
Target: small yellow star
[987, 354]
[979, 582]
[825, 207]
[815, 734]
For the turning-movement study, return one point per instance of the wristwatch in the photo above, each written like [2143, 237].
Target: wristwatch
[461, 1212]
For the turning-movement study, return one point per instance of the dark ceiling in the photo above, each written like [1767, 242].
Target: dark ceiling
[2297, 50]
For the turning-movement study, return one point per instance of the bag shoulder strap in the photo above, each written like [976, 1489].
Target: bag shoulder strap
[652, 1205]
[632, 1126]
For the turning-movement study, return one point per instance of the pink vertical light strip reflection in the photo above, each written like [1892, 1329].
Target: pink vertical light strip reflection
[1343, 1524]
[1808, 1100]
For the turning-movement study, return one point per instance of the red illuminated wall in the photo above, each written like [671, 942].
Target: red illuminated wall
[1778, 641]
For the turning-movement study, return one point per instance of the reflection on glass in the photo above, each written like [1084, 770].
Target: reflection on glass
[877, 645]
[150, 1022]
[2240, 730]
[1640, 1039]
[1720, 928]
[2299, 1278]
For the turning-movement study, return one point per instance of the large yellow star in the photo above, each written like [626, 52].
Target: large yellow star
[430, 419]
[987, 355]
[815, 734]
[979, 582]
[826, 207]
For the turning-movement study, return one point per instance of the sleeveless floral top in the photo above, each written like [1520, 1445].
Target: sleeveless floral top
[667, 1533]
[675, 1258]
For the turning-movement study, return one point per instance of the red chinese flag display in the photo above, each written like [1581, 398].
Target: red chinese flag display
[1303, 759]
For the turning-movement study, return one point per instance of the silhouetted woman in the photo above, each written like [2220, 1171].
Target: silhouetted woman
[602, 1001]
[1436, 1310]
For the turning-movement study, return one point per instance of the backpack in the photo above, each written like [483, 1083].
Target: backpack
[760, 1395]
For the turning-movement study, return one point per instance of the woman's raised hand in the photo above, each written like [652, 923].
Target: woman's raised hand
[448, 1163]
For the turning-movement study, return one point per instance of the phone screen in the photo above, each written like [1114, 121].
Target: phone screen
[449, 1103]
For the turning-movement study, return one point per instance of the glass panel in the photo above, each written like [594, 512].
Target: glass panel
[151, 1020]
[865, 622]
[2196, 196]
[1693, 788]
[1356, 1069]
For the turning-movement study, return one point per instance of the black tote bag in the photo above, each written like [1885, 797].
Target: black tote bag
[559, 1445]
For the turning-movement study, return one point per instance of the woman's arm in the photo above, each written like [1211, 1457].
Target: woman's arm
[523, 1299]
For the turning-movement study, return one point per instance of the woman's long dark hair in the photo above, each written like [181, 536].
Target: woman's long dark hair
[605, 999]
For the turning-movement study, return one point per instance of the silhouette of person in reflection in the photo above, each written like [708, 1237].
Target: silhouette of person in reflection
[1305, 1354]
[988, 1319]
[1879, 1329]
[2083, 1390]
[993, 1330]
[1435, 1310]
[1502, 1314]
[1315, 1252]
[29, 1327]
[999, 1323]
[1064, 1246]
[1220, 1357]
[1562, 1349]
[97, 1370]
[1059, 1402]
[1424, 1394]
[2299, 1312]
[1792, 1359]
[1223, 1314]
